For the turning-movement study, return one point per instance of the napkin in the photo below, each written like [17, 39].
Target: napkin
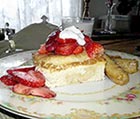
[33, 35]
[29, 38]
[4, 46]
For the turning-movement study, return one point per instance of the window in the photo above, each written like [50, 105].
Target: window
[20, 13]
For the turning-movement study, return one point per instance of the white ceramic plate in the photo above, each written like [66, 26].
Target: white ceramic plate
[102, 99]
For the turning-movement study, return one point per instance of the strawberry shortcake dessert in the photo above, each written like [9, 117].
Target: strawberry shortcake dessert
[70, 57]
[67, 57]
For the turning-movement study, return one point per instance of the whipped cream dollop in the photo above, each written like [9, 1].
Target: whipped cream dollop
[73, 32]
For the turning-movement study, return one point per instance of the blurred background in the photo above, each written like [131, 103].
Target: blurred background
[22, 21]
[20, 13]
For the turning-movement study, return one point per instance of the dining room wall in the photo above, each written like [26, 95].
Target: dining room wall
[97, 8]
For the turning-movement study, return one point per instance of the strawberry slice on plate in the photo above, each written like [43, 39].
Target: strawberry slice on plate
[28, 77]
[27, 81]
[44, 92]
[24, 69]
[8, 80]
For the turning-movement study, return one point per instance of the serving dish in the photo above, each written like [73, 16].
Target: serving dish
[101, 99]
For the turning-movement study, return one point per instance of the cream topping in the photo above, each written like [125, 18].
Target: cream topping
[73, 32]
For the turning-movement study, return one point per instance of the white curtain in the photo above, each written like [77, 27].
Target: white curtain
[20, 13]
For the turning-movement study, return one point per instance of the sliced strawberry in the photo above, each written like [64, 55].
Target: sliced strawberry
[87, 39]
[44, 92]
[66, 49]
[21, 89]
[67, 40]
[51, 45]
[23, 69]
[53, 35]
[8, 80]
[93, 49]
[78, 50]
[51, 41]
[42, 49]
[30, 78]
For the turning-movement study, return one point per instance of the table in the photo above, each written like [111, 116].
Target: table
[131, 46]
